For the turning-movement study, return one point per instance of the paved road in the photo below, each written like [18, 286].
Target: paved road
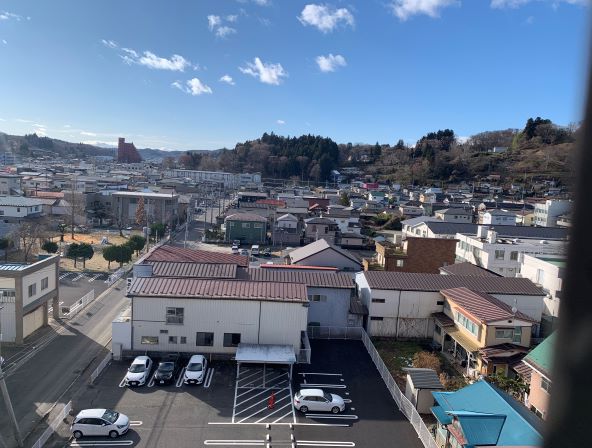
[52, 371]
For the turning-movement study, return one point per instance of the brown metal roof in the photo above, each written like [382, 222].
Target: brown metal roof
[468, 269]
[217, 289]
[443, 320]
[482, 306]
[314, 279]
[180, 254]
[195, 270]
[407, 281]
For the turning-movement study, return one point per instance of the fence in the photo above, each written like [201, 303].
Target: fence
[316, 332]
[52, 427]
[115, 276]
[100, 367]
[67, 312]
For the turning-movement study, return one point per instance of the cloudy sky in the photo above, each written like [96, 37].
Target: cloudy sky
[206, 74]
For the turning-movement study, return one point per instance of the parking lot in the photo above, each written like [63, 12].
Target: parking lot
[74, 285]
[257, 408]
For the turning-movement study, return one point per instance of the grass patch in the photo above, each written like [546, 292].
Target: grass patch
[397, 355]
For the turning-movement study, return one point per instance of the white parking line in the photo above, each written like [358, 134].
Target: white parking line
[251, 397]
[332, 425]
[135, 423]
[180, 379]
[324, 386]
[209, 376]
[261, 410]
[103, 443]
[347, 400]
[122, 382]
[318, 373]
[151, 382]
[93, 278]
[235, 442]
[255, 404]
[243, 378]
[282, 417]
[275, 412]
[322, 443]
[234, 405]
[333, 416]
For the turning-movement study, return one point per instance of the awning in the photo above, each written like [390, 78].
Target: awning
[462, 339]
[265, 354]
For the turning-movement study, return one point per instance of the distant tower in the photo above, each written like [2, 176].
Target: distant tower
[127, 152]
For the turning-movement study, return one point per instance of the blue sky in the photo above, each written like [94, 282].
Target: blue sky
[206, 74]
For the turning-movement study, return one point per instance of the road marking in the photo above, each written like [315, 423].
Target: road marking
[261, 410]
[282, 417]
[352, 409]
[78, 277]
[103, 443]
[235, 442]
[327, 386]
[234, 405]
[243, 378]
[250, 398]
[292, 401]
[333, 416]
[93, 278]
[180, 379]
[255, 404]
[151, 382]
[347, 400]
[63, 276]
[318, 373]
[135, 423]
[122, 382]
[322, 443]
[275, 412]
[209, 376]
[333, 425]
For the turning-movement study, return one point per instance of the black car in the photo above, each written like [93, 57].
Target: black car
[166, 372]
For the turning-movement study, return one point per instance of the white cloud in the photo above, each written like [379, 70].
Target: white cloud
[280, 122]
[67, 126]
[88, 134]
[109, 43]
[5, 15]
[325, 18]
[214, 21]
[262, 2]
[227, 79]
[331, 62]
[232, 18]
[267, 73]
[175, 63]
[404, 9]
[2, 119]
[224, 31]
[193, 87]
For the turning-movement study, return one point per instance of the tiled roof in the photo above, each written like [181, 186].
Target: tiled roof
[324, 221]
[217, 289]
[315, 279]
[289, 267]
[194, 270]
[180, 254]
[467, 269]
[443, 320]
[316, 247]
[541, 356]
[407, 281]
[482, 306]
[245, 217]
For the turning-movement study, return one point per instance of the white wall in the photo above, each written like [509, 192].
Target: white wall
[551, 281]
[35, 278]
[7, 320]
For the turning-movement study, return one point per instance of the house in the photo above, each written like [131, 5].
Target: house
[547, 213]
[467, 269]
[376, 196]
[479, 415]
[16, 208]
[287, 230]
[249, 228]
[402, 304]
[320, 228]
[322, 253]
[454, 215]
[564, 220]
[351, 240]
[10, 185]
[183, 255]
[158, 207]
[419, 385]
[410, 210]
[497, 217]
[539, 362]
[482, 333]
[549, 273]
[25, 296]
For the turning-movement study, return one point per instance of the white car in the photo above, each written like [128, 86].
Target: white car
[234, 249]
[139, 372]
[195, 372]
[99, 422]
[319, 401]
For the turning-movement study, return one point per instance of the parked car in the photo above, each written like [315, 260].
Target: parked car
[99, 422]
[266, 252]
[244, 252]
[236, 243]
[167, 372]
[255, 250]
[138, 373]
[195, 372]
[318, 400]
[235, 249]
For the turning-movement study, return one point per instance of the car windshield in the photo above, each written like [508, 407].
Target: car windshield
[137, 368]
[166, 366]
[328, 396]
[194, 367]
[110, 416]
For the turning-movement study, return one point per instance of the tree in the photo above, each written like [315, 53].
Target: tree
[28, 234]
[110, 254]
[123, 254]
[50, 247]
[344, 199]
[4, 245]
[514, 386]
[62, 228]
[99, 212]
[157, 230]
[73, 251]
[86, 252]
[137, 243]
[140, 213]
[75, 208]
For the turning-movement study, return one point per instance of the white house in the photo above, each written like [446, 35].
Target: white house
[454, 215]
[498, 217]
[548, 272]
[547, 212]
[324, 254]
[20, 207]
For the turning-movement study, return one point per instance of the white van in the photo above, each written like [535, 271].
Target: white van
[255, 250]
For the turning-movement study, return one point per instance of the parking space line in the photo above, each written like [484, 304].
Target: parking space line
[334, 425]
[135, 423]
[234, 405]
[322, 443]
[243, 378]
[318, 373]
[261, 410]
[209, 376]
[234, 442]
[282, 417]
[333, 416]
[347, 400]
[328, 386]
[255, 404]
[122, 382]
[250, 398]
[102, 443]
[152, 378]
[275, 412]
[292, 401]
[181, 376]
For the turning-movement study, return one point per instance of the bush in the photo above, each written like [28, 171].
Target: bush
[50, 247]
[427, 360]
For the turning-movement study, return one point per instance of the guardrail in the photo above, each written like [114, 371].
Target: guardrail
[104, 363]
[52, 427]
[67, 312]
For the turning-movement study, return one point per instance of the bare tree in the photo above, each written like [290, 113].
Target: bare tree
[75, 209]
[29, 234]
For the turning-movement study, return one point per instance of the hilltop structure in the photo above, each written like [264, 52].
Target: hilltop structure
[127, 152]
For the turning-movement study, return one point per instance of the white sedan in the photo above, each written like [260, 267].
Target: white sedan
[139, 372]
[319, 401]
[99, 422]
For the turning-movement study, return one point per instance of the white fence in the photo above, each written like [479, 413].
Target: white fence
[100, 367]
[115, 276]
[67, 312]
[402, 402]
[52, 427]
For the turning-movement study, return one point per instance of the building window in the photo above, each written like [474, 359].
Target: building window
[317, 298]
[204, 339]
[44, 283]
[32, 289]
[536, 411]
[467, 323]
[514, 255]
[246, 225]
[174, 315]
[378, 300]
[164, 331]
[376, 318]
[232, 339]
[231, 224]
[500, 254]
[172, 339]
[504, 333]
[149, 340]
[257, 225]
[517, 338]
[183, 339]
[546, 385]
[18, 209]
[440, 302]
[399, 263]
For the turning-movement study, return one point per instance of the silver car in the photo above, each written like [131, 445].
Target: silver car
[99, 422]
[319, 401]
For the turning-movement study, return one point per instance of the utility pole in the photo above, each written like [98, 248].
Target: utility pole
[8, 403]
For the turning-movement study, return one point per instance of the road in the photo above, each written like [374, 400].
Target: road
[54, 369]
[205, 219]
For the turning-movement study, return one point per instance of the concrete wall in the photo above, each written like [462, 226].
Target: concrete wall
[35, 278]
[334, 311]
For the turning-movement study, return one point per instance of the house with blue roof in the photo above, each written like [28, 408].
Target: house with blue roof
[483, 415]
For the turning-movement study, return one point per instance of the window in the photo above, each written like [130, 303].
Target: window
[172, 339]
[232, 339]
[44, 283]
[504, 333]
[546, 385]
[18, 209]
[399, 263]
[517, 335]
[376, 318]
[183, 339]
[536, 411]
[164, 331]
[32, 289]
[540, 276]
[204, 339]
[317, 298]
[257, 225]
[440, 302]
[246, 225]
[514, 255]
[500, 254]
[467, 323]
[231, 224]
[378, 300]
[149, 340]
[174, 315]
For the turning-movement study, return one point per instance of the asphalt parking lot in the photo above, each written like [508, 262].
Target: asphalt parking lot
[227, 412]
[74, 285]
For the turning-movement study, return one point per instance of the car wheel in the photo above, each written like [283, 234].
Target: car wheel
[304, 409]
[77, 434]
[113, 434]
[335, 410]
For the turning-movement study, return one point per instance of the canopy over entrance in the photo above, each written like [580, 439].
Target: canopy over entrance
[264, 354]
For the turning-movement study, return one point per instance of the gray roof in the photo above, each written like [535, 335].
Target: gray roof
[454, 211]
[407, 281]
[316, 247]
[324, 221]
[313, 279]
[287, 217]
[468, 269]
[18, 201]
[245, 217]
[424, 378]
[542, 233]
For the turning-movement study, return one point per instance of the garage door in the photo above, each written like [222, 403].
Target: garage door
[32, 321]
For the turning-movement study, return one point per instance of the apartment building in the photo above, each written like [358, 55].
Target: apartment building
[548, 272]
[547, 213]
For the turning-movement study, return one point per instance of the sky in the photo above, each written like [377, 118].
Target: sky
[193, 74]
